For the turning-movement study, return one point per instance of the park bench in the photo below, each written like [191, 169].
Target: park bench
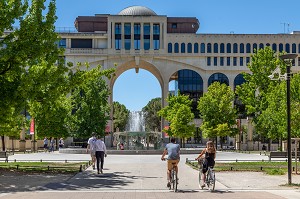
[3, 154]
[282, 154]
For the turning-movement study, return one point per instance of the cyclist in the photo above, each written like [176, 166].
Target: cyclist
[173, 151]
[209, 158]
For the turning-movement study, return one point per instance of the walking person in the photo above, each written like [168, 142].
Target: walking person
[100, 149]
[91, 148]
[52, 144]
[61, 143]
[45, 144]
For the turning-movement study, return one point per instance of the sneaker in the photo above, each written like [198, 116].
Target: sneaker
[93, 167]
[202, 186]
[98, 172]
[169, 184]
[101, 170]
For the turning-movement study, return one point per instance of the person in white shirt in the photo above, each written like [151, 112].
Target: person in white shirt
[91, 148]
[100, 149]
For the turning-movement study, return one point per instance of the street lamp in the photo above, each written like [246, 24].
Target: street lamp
[287, 58]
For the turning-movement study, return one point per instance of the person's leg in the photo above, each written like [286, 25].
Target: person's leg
[93, 158]
[102, 160]
[98, 157]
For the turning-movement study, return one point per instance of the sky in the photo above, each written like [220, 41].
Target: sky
[215, 16]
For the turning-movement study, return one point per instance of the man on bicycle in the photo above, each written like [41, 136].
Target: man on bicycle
[173, 151]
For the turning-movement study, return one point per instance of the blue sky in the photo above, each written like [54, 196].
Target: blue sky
[215, 16]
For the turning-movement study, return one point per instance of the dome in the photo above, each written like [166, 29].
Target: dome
[137, 11]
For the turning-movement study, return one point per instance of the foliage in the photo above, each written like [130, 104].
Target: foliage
[178, 113]
[121, 115]
[217, 111]
[152, 119]
[91, 102]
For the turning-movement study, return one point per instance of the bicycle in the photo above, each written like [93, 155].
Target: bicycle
[210, 179]
[173, 177]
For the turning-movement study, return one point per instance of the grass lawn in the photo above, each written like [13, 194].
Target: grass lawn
[271, 168]
[52, 167]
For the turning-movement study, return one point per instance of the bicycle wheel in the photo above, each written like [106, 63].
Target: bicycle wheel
[174, 180]
[210, 179]
[200, 180]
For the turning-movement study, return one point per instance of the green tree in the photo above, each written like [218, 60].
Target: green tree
[91, 100]
[178, 113]
[32, 42]
[152, 119]
[217, 111]
[121, 115]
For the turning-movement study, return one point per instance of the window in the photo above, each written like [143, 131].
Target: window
[234, 61]
[267, 44]
[216, 48]
[287, 48]
[222, 48]
[298, 61]
[215, 61]
[294, 48]
[247, 60]
[118, 39]
[81, 43]
[196, 48]
[174, 25]
[280, 47]
[242, 49]
[228, 48]
[147, 36]
[235, 48]
[254, 48]
[62, 43]
[182, 48]
[156, 35]
[248, 48]
[228, 61]
[241, 61]
[189, 50]
[208, 61]
[203, 47]
[221, 61]
[176, 48]
[261, 46]
[169, 47]
[137, 36]
[218, 77]
[274, 47]
[209, 48]
[127, 35]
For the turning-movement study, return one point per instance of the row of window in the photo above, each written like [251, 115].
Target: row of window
[230, 48]
[228, 61]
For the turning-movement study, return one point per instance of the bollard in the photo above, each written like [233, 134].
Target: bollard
[66, 161]
[231, 168]
[186, 160]
[15, 160]
[236, 160]
[41, 160]
[293, 168]
[17, 167]
[261, 168]
[80, 168]
[259, 153]
[48, 168]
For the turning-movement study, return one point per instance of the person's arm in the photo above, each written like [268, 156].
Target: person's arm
[202, 152]
[163, 155]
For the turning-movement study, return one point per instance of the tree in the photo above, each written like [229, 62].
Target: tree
[178, 113]
[152, 119]
[217, 111]
[20, 49]
[121, 115]
[91, 102]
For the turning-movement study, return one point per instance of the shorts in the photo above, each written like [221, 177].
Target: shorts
[170, 165]
[93, 153]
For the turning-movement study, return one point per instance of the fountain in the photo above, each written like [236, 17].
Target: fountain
[135, 137]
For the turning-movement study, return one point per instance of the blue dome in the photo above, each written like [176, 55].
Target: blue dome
[137, 11]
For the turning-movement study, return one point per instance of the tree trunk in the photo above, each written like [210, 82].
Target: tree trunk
[3, 143]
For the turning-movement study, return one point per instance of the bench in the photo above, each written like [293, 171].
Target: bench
[3, 154]
[282, 154]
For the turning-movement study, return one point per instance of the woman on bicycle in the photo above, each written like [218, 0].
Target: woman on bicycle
[209, 158]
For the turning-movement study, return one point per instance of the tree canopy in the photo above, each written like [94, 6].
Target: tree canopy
[152, 119]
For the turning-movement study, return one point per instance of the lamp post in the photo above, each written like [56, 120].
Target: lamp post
[288, 58]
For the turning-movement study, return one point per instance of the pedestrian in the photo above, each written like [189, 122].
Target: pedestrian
[91, 148]
[52, 144]
[100, 149]
[61, 143]
[45, 144]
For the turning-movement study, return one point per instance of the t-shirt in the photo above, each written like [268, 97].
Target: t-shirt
[100, 146]
[173, 151]
[91, 142]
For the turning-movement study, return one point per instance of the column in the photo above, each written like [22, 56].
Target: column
[122, 36]
[151, 36]
[113, 36]
[161, 45]
[132, 37]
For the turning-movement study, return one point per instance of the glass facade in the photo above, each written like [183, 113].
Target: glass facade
[137, 36]
[147, 37]
[156, 35]
[127, 35]
[218, 77]
[118, 39]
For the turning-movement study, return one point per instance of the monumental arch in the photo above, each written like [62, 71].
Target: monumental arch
[169, 48]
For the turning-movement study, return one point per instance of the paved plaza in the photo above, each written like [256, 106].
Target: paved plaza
[144, 176]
